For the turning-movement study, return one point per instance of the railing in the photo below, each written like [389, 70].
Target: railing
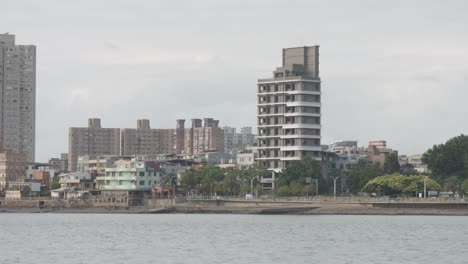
[331, 199]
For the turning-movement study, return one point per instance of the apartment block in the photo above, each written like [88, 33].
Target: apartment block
[289, 111]
[92, 140]
[234, 141]
[203, 136]
[17, 96]
[147, 141]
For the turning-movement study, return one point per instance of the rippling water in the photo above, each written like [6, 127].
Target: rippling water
[112, 238]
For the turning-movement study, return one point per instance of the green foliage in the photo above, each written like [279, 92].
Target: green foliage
[283, 191]
[396, 184]
[298, 170]
[391, 164]
[55, 185]
[448, 159]
[362, 174]
[296, 189]
[451, 184]
[209, 180]
[464, 187]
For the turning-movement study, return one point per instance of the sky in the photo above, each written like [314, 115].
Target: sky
[390, 70]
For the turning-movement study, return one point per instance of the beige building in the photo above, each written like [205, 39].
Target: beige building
[147, 141]
[377, 152]
[18, 96]
[12, 167]
[204, 136]
[92, 140]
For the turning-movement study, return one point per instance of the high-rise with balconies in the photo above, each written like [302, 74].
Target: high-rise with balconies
[289, 112]
[17, 96]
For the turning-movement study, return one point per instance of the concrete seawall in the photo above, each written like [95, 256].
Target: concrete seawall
[242, 207]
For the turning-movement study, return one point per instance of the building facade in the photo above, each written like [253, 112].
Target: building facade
[17, 96]
[234, 141]
[147, 141]
[92, 140]
[289, 111]
[134, 174]
[12, 167]
[377, 152]
[204, 136]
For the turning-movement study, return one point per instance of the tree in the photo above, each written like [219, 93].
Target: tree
[391, 164]
[448, 159]
[396, 184]
[298, 170]
[451, 184]
[362, 174]
[55, 185]
[283, 191]
[296, 189]
[464, 187]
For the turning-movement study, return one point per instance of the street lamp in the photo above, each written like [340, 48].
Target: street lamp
[334, 185]
[425, 179]
[251, 186]
[170, 184]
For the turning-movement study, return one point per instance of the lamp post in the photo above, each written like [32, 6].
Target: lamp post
[334, 185]
[170, 184]
[425, 179]
[251, 186]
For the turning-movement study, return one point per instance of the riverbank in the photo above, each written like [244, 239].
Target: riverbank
[262, 207]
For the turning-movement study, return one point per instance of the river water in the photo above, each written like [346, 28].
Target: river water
[180, 238]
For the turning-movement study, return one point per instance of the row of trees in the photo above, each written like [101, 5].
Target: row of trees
[209, 180]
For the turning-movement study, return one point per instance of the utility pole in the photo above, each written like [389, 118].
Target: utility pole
[334, 185]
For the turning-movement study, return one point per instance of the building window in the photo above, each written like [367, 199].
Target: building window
[142, 173]
[142, 182]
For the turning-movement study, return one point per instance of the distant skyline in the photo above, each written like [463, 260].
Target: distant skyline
[393, 70]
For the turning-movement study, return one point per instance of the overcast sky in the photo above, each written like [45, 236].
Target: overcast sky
[392, 70]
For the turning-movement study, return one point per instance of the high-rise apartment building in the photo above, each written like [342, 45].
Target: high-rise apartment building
[92, 140]
[146, 141]
[17, 96]
[289, 111]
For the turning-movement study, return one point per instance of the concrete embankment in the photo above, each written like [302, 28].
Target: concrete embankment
[241, 207]
[322, 208]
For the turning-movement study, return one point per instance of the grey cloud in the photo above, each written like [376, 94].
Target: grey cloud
[392, 70]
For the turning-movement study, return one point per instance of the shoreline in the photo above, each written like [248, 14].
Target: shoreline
[260, 208]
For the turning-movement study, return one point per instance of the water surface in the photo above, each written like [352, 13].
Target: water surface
[119, 238]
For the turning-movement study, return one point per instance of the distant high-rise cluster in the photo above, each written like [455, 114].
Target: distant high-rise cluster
[289, 111]
[17, 96]
[234, 141]
[94, 140]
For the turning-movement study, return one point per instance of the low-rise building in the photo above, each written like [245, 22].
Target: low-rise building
[134, 174]
[73, 185]
[416, 162]
[246, 158]
[12, 167]
[16, 189]
[377, 152]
